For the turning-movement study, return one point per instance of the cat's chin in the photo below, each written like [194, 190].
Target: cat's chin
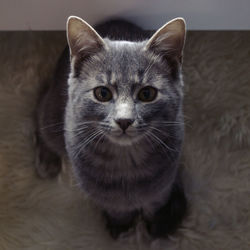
[124, 140]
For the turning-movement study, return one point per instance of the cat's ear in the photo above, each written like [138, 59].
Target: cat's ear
[82, 38]
[169, 39]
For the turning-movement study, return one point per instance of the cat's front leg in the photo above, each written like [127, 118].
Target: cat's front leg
[119, 222]
[168, 218]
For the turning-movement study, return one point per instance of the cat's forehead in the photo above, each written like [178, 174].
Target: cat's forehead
[125, 61]
[124, 54]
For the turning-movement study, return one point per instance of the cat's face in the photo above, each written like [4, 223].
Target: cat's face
[124, 92]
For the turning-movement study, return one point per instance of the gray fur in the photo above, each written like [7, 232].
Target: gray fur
[139, 172]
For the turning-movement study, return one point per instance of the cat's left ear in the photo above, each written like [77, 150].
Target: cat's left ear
[169, 39]
[82, 39]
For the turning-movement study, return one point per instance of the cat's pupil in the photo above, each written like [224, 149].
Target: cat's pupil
[104, 92]
[146, 93]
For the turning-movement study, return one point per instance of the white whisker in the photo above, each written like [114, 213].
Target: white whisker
[160, 141]
[86, 142]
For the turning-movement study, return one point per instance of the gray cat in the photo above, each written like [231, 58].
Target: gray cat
[115, 110]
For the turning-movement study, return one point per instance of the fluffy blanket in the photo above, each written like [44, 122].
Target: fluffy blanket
[54, 214]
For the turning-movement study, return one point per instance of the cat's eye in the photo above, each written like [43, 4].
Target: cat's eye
[102, 94]
[147, 94]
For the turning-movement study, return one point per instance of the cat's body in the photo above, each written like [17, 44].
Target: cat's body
[124, 146]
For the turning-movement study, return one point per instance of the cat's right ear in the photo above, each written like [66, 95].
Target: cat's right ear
[83, 40]
[169, 40]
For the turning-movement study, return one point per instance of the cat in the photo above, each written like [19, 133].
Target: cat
[115, 110]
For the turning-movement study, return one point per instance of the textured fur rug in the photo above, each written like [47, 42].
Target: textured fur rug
[53, 214]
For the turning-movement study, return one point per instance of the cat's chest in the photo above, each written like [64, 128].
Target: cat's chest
[114, 161]
[112, 156]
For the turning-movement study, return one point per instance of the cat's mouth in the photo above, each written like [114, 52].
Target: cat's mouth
[124, 138]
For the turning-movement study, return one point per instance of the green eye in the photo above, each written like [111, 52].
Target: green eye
[102, 94]
[147, 94]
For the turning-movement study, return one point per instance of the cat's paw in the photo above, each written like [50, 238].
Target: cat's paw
[116, 230]
[48, 164]
[117, 226]
[48, 169]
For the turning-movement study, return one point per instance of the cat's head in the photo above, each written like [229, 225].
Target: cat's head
[125, 92]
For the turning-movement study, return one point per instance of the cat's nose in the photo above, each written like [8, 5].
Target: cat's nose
[124, 123]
